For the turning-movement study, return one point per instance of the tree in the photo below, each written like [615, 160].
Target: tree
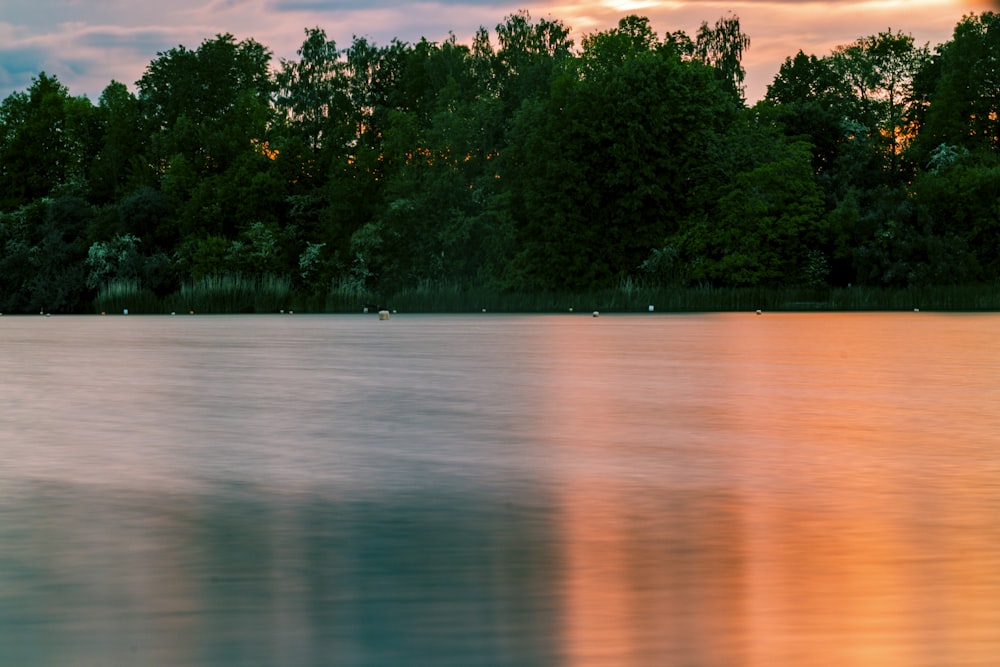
[809, 100]
[211, 117]
[123, 138]
[312, 93]
[766, 226]
[609, 164]
[960, 198]
[529, 53]
[880, 71]
[722, 47]
[45, 141]
[960, 89]
[208, 105]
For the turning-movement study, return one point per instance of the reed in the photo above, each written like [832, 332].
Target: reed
[445, 298]
[344, 297]
[120, 295]
[631, 297]
[226, 294]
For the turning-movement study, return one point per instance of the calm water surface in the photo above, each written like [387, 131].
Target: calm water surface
[717, 490]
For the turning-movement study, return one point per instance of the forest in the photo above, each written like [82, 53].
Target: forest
[520, 164]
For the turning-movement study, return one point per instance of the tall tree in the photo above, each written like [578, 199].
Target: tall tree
[809, 100]
[210, 111]
[880, 71]
[765, 227]
[608, 165]
[961, 87]
[123, 137]
[210, 104]
[722, 47]
[527, 56]
[312, 93]
[45, 141]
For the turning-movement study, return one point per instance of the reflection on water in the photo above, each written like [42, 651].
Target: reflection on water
[665, 490]
[244, 577]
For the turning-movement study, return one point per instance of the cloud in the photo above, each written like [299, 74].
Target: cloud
[145, 40]
[18, 66]
[100, 40]
[337, 6]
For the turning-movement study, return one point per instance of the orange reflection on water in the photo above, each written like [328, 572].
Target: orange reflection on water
[843, 511]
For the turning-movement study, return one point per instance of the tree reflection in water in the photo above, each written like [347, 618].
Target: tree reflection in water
[247, 577]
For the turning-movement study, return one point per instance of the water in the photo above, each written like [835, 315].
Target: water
[717, 490]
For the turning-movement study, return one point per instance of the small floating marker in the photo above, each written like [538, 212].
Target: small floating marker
[365, 310]
[916, 310]
[758, 311]
[597, 314]
[48, 314]
[125, 311]
[383, 314]
[291, 312]
[571, 310]
[484, 310]
[651, 309]
[173, 312]
[104, 312]
[190, 312]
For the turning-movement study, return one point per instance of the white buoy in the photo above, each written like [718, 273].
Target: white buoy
[651, 308]
[758, 311]
[383, 314]
[596, 314]
[916, 310]
[125, 312]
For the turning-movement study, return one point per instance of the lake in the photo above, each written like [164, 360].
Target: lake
[726, 490]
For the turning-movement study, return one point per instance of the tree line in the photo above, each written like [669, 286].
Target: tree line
[519, 162]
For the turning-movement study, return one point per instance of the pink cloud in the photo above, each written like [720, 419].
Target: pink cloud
[102, 40]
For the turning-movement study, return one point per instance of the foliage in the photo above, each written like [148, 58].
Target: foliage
[960, 88]
[518, 172]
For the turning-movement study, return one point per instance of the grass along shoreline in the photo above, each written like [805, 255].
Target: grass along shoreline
[236, 294]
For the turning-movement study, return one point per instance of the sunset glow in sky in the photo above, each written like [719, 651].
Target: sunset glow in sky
[88, 43]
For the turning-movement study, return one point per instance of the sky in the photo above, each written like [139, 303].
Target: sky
[88, 43]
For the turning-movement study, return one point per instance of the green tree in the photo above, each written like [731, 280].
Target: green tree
[528, 54]
[45, 142]
[312, 93]
[722, 47]
[123, 139]
[767, 227]
[210, 112]
[608, 165]
[960, 89]
[808, 100]
[857, 106]
[880, 72]
[960, 200]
